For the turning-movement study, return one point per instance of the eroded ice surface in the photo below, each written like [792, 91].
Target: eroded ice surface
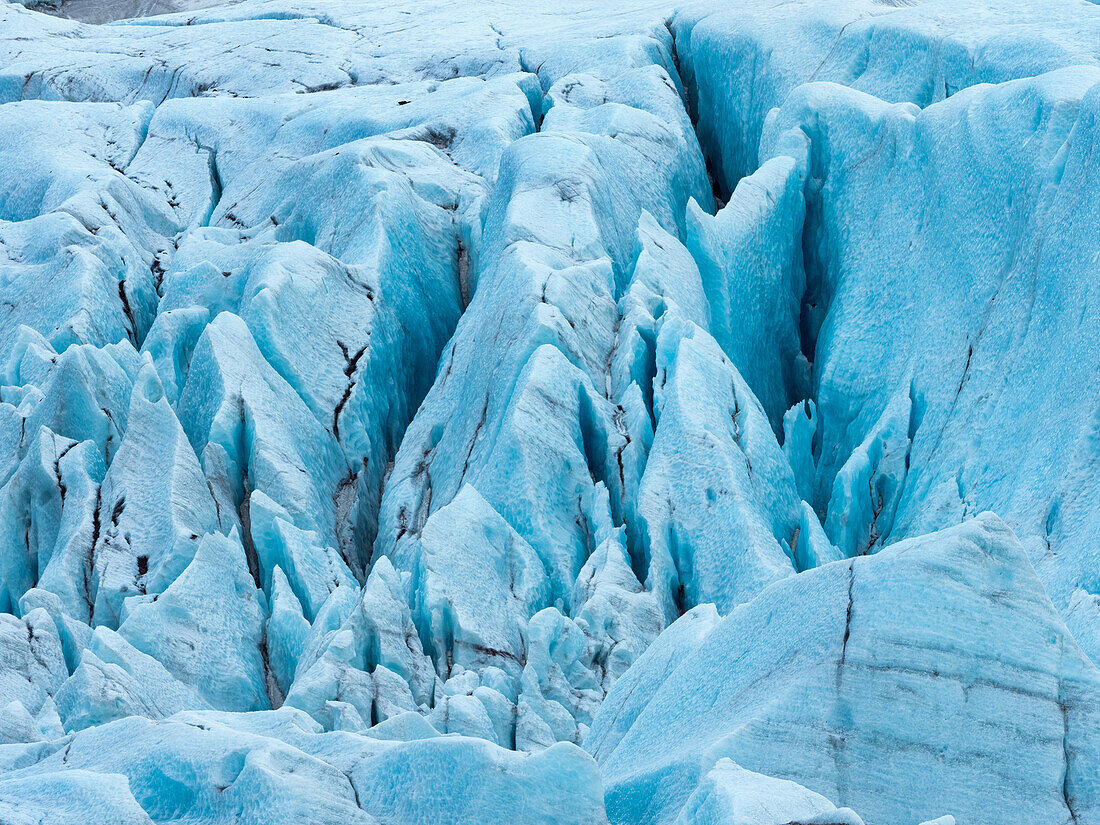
[519, 412]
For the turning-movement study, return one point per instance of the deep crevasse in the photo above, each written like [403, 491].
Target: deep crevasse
[401, 407]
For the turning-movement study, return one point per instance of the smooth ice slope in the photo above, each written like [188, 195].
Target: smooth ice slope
[937, 664]
[526, 412]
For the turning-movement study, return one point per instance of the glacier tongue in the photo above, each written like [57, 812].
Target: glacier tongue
[545, 414]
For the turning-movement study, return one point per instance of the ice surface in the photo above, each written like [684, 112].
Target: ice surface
[526, 412]
[828, 679]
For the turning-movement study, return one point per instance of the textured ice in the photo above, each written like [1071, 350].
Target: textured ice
[527, 412]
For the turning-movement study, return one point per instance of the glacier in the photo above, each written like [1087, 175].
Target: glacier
[675, 413]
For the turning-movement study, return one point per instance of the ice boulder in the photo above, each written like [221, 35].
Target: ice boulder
[731, 795]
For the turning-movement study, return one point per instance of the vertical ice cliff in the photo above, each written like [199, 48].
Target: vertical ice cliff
[535, 413]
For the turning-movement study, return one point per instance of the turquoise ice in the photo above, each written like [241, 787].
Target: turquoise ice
[674, 414]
